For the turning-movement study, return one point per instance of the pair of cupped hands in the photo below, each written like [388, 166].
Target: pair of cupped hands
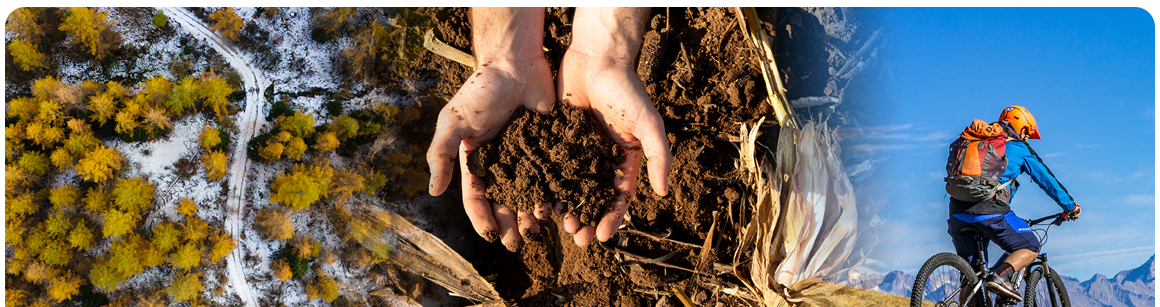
[597, 73]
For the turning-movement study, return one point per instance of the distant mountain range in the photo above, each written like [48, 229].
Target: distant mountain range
[1129, 288]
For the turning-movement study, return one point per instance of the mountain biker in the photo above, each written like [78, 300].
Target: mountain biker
[993, 215]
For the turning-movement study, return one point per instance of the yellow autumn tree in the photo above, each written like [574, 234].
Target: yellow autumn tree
[226, 22]
[222, 246]
[327, 288]
[104, 276]
[325, 141]
[187, 256]
[55, 252]
[23, 23]
[24, 53]
[215, 92]
[165, 236]
[64, 286]
[210, 137]
[187, 207]
[64, 196]
[57, 224]
[272, 151]
[81, 237]
[96, 199]
[295, 148]
[118, 223]
[215, 165]
[87, 27]
[185, 287]
[303, 186]
[184, 93]
[99, 164]
[34, 162]
[195, 229]
[132, 194]
[274, 223]
[281, 270]
[104, 106]
[156, 118]
[156, 88]
[299, 125]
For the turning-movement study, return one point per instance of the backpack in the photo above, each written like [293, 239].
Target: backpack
[976, 161]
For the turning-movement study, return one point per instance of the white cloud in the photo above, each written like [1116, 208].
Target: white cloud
[1140, 199]
[880, 147]
[1049, 155]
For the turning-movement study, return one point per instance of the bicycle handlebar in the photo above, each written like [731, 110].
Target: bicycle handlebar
[1059, 218]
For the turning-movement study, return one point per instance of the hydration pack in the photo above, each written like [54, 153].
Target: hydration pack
[976, 162]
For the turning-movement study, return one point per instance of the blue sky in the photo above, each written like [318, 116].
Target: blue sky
[1088, 77]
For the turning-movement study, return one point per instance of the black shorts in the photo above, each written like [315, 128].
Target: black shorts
[1010, 232]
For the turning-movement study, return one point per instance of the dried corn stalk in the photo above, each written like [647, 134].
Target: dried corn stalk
[804, 218]
[390, 236]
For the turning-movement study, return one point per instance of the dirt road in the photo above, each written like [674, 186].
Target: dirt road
[247, 122]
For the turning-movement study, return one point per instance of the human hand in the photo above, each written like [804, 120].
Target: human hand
[512, 72]
[597, 72]
[1073, 214]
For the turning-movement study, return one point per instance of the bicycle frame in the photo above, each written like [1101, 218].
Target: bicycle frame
[981, 270]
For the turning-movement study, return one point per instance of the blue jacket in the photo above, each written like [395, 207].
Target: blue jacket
[1021, 160]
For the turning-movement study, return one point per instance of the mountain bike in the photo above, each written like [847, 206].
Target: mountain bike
[947, 280]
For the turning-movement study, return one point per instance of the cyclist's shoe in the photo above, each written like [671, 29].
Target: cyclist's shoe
[999, 284]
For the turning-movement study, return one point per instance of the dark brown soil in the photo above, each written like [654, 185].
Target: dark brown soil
[565, 156]
[698, 68]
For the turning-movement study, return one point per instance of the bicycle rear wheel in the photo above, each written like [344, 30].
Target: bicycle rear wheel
[941, 281]
[1039, 295]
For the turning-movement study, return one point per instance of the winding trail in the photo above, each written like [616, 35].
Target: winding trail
[247, 122]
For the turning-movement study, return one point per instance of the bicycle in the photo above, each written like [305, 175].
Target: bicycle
[947, 280]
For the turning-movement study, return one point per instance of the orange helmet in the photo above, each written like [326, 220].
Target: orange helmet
[1020, 118]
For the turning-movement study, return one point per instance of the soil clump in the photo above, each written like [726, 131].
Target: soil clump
[566, 156]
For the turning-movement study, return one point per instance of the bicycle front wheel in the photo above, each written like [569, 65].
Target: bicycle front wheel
[942, 281]
[1039, 295]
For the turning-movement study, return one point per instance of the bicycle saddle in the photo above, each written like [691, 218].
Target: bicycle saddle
[972, 231]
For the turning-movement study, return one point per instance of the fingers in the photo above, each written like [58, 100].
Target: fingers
[651, 133]
[584, 235]
[571, 224]
[528, 226]
[611, 220]
[448, 137]
[509, 234]
[542, 211]
[475, 203]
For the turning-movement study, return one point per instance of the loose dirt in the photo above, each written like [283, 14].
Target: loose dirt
[698, 68]
[565, 156]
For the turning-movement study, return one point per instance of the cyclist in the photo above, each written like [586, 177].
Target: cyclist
[987, 206]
